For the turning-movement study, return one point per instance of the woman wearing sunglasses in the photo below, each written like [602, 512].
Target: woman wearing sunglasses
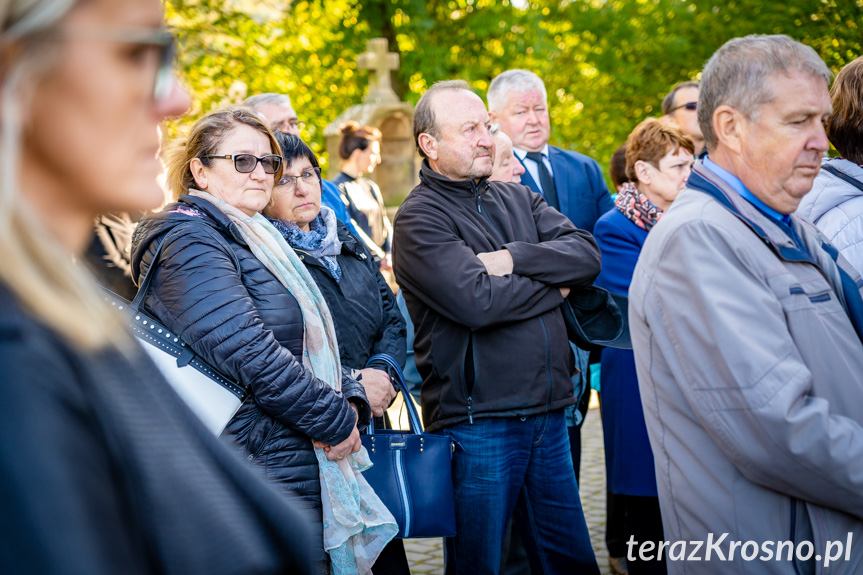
[224, 282]
[363, 306]
[103, 469]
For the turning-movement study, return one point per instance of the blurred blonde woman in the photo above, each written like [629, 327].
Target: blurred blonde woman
[103, 469]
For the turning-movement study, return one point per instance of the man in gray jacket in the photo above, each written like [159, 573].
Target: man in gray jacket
[746, 325]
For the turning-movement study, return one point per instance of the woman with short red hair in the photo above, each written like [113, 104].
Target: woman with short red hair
[658, 162]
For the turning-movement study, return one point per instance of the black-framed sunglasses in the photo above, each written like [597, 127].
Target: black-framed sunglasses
[691, 106]
[310, 177]
[161, 39]
[246, 163]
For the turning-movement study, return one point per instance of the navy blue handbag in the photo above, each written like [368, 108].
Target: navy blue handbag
[412, 470]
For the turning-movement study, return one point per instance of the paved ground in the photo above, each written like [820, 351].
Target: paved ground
[426, 555]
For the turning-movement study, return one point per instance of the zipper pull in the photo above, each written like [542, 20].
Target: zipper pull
[469, 410]
[478, 204]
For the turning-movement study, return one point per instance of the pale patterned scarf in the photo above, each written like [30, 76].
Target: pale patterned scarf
[357, 525]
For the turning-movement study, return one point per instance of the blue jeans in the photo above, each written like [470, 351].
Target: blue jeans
[522, 465]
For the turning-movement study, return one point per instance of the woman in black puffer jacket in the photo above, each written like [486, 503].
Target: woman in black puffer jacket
[220, 298]
[364, 308]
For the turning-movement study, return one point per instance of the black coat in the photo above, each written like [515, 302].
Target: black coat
[104, 470]
[211, 290]
[488, 346]
[364, 308]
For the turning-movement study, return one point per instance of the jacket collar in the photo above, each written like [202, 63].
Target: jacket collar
[839, 274]
[441, 184]
[350, 246]
[704, 180]
[185, 209]
[219, 220]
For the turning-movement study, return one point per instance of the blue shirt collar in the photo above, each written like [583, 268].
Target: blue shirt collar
[738, 187]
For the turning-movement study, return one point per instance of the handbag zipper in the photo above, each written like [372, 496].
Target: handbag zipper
[402, 481]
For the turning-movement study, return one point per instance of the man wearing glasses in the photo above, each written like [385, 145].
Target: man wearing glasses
[679, 106]
[280, 116]
[278, 112]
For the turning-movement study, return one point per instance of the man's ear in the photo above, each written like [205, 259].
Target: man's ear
[428, 144]
[196, 166]
[492, 117]
[729, 124]
[641, 172]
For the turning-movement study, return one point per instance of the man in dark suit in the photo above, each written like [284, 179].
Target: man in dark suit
[569, 181]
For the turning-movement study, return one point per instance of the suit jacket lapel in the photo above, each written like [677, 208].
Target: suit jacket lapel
[527, 180]
[561, 179]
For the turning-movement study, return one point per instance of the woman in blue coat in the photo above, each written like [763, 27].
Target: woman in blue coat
[658, 162]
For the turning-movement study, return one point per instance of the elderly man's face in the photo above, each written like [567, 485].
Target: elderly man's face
[507, 168]
[524, 119]
[281, 118]
[465, 149]
[782, 145]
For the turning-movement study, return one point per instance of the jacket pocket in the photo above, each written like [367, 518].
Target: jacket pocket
[469, 367]
[801, 530]
[253, 455]
[469, 374]
[811, 294]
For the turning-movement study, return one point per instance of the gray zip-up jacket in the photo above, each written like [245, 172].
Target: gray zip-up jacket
[751, 378]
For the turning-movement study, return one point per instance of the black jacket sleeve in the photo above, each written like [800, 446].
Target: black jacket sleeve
[392, 337]
[565, 255]
[438, 267]
[198, 293]
[356, 394]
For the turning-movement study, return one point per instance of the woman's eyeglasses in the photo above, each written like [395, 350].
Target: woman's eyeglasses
[309, 177]
[246, 163]
[691, 106]
[165, 41]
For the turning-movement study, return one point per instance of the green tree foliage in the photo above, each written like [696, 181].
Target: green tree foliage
[606, 63]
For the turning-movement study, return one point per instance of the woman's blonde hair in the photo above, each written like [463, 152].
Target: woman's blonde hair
[204, 139]
[35, 266]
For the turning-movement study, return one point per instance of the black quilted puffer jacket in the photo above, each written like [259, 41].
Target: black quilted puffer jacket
[209, 288]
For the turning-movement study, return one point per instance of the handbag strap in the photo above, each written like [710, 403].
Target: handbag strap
[148, 277]
[416, 426]
[842, 176]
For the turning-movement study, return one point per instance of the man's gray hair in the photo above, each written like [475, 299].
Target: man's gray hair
[668, 100]
[255, 102]
[739, 75]
[424, 116]
[512, 81]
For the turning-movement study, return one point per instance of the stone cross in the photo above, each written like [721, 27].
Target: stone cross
[380, 62]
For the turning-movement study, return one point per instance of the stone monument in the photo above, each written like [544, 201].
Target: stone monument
[381, 108]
